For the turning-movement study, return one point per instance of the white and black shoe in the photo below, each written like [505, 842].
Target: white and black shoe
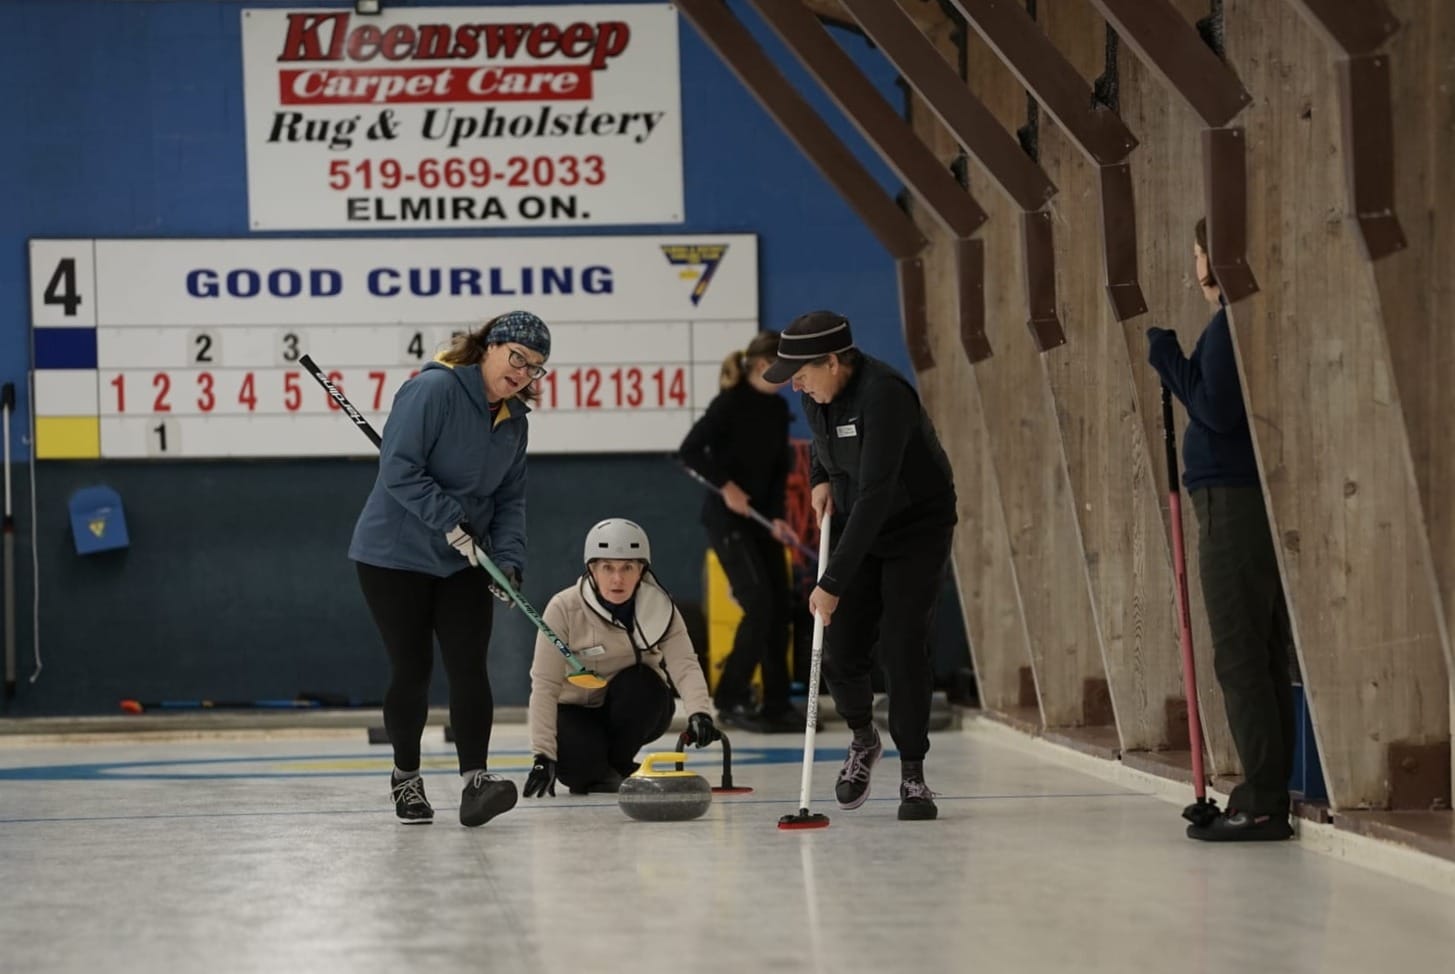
[486, 796]
[852, 787]
[410, 805]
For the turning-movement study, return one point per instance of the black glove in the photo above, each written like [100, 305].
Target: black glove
[700, 730]
[513, 576]
[542, 778]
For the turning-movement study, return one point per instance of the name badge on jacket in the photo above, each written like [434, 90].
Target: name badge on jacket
[592, 651]
[847, 430]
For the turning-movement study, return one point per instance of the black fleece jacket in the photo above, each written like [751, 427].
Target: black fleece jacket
[892, 483]
[743, 438]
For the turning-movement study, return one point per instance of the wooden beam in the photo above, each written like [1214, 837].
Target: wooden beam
[914, 312]
[1172, 49]
[877, 120]
[1225, 175]
[834, 160]
[1119, 241]
[1353, 26]
[1019, 42]
[970, 292]
[952, 101]
[1368, 125]
[1040, 280]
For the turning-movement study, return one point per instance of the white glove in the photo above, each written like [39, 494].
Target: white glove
[461, 541]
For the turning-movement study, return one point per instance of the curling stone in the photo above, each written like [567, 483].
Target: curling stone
[672, 795]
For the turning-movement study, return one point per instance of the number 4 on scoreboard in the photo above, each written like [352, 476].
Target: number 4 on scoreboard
[62, 288]
[62, 283]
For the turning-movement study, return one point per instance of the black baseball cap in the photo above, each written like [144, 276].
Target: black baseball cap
[808, 337]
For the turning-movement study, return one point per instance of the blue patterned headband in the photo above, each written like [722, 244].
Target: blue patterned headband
[522, 328]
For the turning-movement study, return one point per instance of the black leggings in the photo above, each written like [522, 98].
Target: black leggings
[592, 741]
[409, 608]
[757, 570]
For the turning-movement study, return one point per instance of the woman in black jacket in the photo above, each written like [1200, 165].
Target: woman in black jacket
[740, 445]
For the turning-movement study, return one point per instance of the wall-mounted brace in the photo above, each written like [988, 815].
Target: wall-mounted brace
[957, 107]
[883, 128]
[835, 161]
[914, 312]
[1353, 26]
[970, 291]
[1357, 28]
[1171, 47]
[1044, 71]
[1119, 241]
[1364, 90]
[1225, 176]
[1040, 282]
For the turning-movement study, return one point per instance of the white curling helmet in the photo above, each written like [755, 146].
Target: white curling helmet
[617, 538]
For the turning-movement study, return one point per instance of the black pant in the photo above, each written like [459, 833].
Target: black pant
[1252, 640]
[758, 573]
[409, 608]
[891, 600]
[591, 742]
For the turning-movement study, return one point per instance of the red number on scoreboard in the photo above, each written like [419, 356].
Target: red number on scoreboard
[163, 384]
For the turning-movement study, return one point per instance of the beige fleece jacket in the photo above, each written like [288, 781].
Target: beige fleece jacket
[606, 648]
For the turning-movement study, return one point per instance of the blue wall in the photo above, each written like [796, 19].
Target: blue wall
[127, 120]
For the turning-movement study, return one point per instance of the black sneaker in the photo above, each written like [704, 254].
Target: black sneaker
[852, 788]
[410, 805]
[916, 801]
[486, 796]
[1234, 826]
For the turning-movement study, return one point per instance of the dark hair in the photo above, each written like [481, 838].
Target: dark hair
[735, 367]
[469, 348]
[849, 358]
[1199, 233]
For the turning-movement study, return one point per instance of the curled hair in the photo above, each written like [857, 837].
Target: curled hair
[1199, 233]
[735, 367]
[469, 348]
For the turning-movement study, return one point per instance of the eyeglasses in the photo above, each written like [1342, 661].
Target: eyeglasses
[519, 363]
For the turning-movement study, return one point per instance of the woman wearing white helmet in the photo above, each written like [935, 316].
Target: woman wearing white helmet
[622, 624]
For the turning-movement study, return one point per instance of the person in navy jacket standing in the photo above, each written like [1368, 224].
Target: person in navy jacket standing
[1252, 639]
[452, 468]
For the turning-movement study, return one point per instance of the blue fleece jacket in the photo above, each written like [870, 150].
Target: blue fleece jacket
[442, 463]
[1217, 450]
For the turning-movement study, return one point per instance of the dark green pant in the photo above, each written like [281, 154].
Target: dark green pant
[1251, 640]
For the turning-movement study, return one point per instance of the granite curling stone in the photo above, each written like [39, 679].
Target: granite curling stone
[656, 795]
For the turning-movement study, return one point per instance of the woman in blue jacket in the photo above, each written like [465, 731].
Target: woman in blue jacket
[451, 469]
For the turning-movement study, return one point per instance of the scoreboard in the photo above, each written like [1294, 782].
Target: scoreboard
[190, 348]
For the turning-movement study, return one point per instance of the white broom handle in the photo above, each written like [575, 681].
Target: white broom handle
[813, 672]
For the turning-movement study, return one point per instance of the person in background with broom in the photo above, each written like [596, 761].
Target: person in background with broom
[740, 445]
[1252, 639]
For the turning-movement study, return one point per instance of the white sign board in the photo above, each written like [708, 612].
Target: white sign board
[190, 348]
[425, 117]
